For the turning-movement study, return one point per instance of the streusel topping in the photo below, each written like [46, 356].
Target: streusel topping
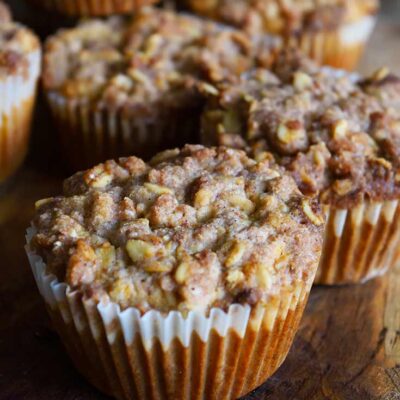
[338, 135]
[17, 43]
[193, 229]
[154, 57]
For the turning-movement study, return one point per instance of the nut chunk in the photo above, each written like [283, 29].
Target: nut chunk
[230, 230]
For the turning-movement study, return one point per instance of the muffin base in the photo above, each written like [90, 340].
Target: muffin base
[92, 136]
[360, 243]
[18, 93]
[126, 355]
[92, 7]
[340, 48]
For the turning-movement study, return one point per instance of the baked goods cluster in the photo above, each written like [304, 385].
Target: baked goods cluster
[189, 269]
[333, 32]
[285, 17]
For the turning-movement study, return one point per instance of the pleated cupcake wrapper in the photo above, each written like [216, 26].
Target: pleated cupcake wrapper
[221, 356]
[340, 48]
[360, 243]
[93, 7]
[90, 136]
[17, 97]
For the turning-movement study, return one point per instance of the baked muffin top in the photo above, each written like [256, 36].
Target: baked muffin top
[154, 57]
[285, 16]
[17, 43]
[193, 229]
[338, 135]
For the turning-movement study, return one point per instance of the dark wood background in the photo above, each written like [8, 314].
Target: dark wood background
[348, 346]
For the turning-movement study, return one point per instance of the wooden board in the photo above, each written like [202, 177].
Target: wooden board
[348, 346]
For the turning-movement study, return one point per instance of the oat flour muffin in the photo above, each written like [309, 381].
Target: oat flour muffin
[202, 249]
[20, 55]
[339, 137]
[332, 32]
[87, 8]
[133, 86]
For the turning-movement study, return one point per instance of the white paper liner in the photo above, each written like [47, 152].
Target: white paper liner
[90, 136]
[17, 96]
[357, 32]
[360, 243]
[222, 356]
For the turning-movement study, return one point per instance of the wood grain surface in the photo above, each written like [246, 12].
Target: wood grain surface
[348, 346]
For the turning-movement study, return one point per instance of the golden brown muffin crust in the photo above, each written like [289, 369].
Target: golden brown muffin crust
[195, 228]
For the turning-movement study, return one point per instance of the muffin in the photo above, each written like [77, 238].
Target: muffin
[333, 32]
[187, 275]
[20, 56]
[136, 86]
[339, 136]
[88, 8]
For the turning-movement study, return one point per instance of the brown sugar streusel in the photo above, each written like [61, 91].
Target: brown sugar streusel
[338, 135]
[193, 229]
[16, 44]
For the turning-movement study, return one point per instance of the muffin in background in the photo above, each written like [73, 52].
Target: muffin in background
[339, 137]
[20, 56]
[135, 85]
[184, 276]
[93, 8]
[332, 32]
[5, 14]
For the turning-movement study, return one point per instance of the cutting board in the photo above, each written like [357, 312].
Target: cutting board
[348, 345]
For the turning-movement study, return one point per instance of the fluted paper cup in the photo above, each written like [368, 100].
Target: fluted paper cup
[340, 48]
[17, 98]
[222, 355]
[89, 135]
[93, 7]
[360, 243]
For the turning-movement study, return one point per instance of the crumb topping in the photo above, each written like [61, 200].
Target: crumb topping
[155, 57]
[193, 229]
[16, 44]
[285, 16]
[338, 136]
